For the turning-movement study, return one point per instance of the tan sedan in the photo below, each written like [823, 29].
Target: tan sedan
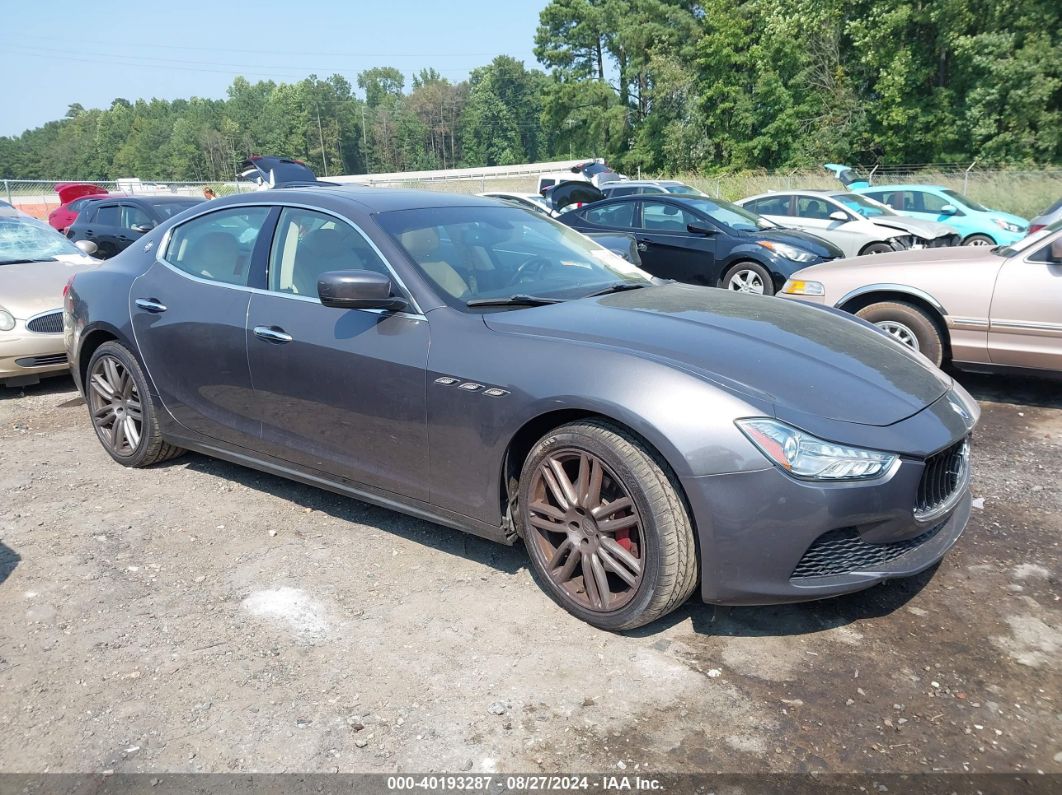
[35, 264]
[979, 307]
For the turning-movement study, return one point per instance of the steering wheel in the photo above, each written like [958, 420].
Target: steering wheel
[530, 269]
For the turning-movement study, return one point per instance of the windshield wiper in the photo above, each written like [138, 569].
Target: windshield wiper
[618, 287]
[21, 261]
[514, 300]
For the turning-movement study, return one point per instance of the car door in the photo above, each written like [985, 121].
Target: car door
[133, 222]
[341, 391]
[669, 250]
[814, 214]
[189, 313]
[102, 228]
[1025, 320]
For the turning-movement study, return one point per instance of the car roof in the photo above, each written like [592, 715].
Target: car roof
[619, 183]
[366, 198]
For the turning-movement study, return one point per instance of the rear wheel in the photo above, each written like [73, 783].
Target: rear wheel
[979, 240]
[909, 324]
[122, 410]
[749, 277]
[608, 535]
[877, 248]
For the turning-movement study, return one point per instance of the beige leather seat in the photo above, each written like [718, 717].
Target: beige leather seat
[423, 246]
[216, 255]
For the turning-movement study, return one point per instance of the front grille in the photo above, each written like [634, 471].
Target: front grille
[843, 552]
[42, 361]
[51, 323]
[945, 475]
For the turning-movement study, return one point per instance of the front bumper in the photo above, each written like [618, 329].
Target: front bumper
[756, 528]
[25, 356]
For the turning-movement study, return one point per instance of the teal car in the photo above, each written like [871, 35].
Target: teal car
[978, 225]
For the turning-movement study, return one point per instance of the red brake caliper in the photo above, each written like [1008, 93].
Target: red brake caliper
[623, 538]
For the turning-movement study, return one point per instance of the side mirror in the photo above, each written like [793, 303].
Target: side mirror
[838, 215]
[143, 228]
[87, 247]
[358, 290]
[697, 229]
[949, 209]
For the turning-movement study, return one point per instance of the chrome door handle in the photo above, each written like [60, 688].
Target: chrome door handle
[642, 247]
[150, 305]
[272, 334]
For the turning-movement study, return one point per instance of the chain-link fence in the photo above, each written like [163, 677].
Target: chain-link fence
[1026, 192]
[38, 197]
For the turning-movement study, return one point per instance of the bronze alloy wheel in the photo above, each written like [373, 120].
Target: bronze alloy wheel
[587, 529]
[114, 402]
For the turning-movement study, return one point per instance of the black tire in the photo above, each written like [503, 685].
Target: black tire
[892, 316]
[978, 240]
[746, 269]
[669, 572]
[876, 248]
[150, 448]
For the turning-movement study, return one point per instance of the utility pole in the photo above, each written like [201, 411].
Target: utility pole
[320, 133]
[364, 139]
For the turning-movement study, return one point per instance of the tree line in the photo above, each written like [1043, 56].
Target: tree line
[660, 85]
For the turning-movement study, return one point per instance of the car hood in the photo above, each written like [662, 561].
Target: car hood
[69, 191]
[915, 226]
[29, 288]
[804, 360]
[1014, 219]
[891, 261]
[796, 237]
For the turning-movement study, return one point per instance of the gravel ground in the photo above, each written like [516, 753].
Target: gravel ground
[198, 616]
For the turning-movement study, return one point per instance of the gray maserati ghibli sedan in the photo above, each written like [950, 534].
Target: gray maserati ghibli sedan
[486, 368]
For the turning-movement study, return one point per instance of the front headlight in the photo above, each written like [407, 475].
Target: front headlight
[787, 251]
[811, 458]
[801, 287]
[7, 320]
[1003, 223]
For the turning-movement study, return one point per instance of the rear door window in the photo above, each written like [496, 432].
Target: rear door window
[108, 215]
[218, 246]
[619, 214]
[773, 205]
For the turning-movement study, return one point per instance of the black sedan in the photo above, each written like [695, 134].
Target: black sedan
[699, 240]
[116, 222]
[488, 368]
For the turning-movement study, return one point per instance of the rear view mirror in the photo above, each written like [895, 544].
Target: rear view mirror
[949, 209]
[87, 247]
[838, 215]
[358, 289]
[697, 229]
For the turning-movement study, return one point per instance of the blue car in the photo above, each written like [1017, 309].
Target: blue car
[978, 225]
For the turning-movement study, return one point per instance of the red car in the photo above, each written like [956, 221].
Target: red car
[72, 197]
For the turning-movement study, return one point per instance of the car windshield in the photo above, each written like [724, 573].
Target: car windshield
[861, 205]
[167, 209]
[25, 239]
[977, 208]
[478, 253]
[730, 214]
[683, 190]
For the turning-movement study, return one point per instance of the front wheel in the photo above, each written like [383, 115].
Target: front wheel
[909, 324]
[122, 410]
[877, 248]
[749, 277]
[979, 240]
[608, 535]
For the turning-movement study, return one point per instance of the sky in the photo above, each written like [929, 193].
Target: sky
[58, 52]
